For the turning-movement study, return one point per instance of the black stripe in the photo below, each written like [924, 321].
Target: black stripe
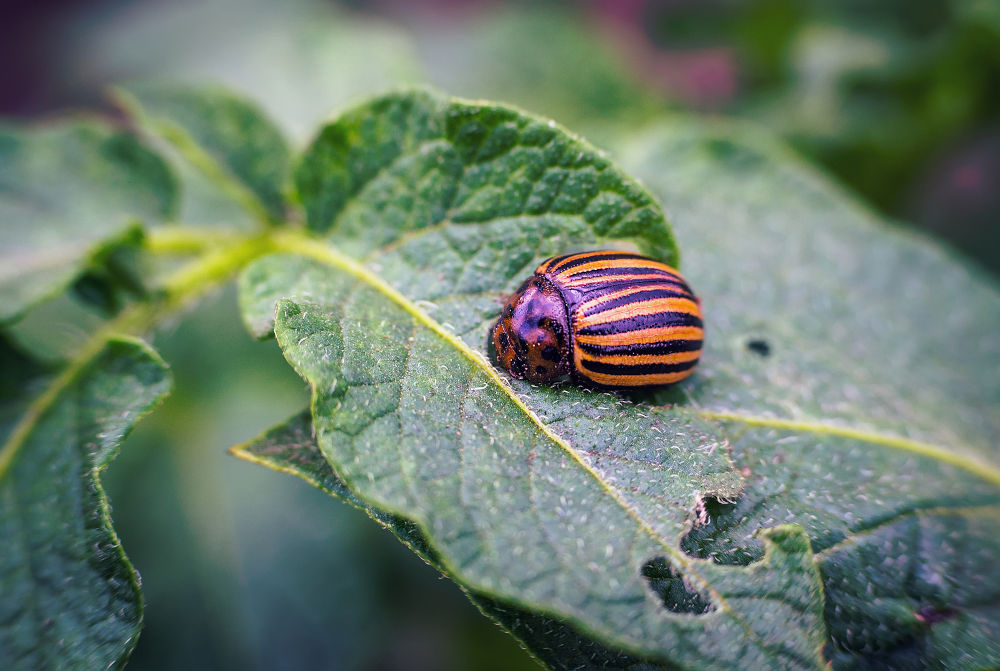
[638, 296]
[588, 257]
[654, 348]
[586, 292]
[635, 370]
[631, 270]
[642, 322]
[554, 260]
[615, 284]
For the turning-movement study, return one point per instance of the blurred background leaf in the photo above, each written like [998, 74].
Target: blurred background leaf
[71, 195]
[71, 599]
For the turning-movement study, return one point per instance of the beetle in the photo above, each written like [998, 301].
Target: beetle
[609, 319]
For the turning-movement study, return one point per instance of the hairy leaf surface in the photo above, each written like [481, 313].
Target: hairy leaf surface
[291, 448]
[844, 369]
[853, 367]
[559, 500]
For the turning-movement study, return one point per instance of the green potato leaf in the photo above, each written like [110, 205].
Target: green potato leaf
[558, 500]
[853, 368]
[68, 192]
[69, 598]
[291, 448]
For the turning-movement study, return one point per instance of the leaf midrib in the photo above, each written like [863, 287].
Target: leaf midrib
[213, 268]
[320, 251]
[316, 249]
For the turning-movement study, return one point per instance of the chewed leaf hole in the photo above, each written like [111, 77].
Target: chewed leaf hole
[722, 537]
[668, 584]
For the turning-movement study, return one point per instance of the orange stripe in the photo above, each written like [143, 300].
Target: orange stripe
[616, 278]
[628, 291]
[613, 263]
[569, 259]
[638, 359]
[657, 334]
[649, 307]
[635, 380]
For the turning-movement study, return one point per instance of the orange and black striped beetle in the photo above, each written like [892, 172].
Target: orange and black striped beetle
[607, 318]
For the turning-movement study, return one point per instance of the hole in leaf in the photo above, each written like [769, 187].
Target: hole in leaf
[723, 538]
[759, 347]
[668, 584]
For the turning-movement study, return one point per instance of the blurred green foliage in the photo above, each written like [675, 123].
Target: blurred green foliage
[897, 99]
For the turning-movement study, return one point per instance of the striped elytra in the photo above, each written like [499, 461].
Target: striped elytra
[609, 319]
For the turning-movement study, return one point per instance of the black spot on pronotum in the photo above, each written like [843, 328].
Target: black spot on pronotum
[518, 367]
[759, 347]
[504, 340]
[550, 353]
[715, 538]
[540, 370]
[669, 586]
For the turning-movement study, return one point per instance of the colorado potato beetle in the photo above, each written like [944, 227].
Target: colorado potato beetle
[607, 318]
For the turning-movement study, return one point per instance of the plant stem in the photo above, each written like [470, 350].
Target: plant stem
[214, 268]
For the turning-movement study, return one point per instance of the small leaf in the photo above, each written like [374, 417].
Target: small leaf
[113, 274]
[70, 597]
[224, 135]
[558, 499]
[66, 191]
